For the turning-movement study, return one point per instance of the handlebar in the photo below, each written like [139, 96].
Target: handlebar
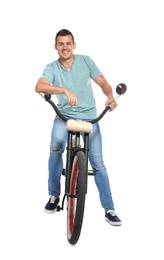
[47, 98]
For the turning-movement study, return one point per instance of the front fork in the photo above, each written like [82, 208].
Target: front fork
[73, 145]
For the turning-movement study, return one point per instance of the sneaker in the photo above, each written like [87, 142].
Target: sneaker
[112, 218]
[52, 204]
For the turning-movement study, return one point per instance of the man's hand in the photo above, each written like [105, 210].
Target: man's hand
[112, 104]
[72, 99]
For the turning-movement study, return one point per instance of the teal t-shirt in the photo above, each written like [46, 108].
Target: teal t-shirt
[78, 81]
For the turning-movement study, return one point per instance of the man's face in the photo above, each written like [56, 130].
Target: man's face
[65, 46]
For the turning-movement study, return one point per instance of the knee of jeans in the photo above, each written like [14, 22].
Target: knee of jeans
[98, 166]
[55, 150]
[99, 169]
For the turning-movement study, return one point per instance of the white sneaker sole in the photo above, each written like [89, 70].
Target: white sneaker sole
[113, 223]
[50, 211]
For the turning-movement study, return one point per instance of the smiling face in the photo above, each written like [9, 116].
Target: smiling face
[65, 46]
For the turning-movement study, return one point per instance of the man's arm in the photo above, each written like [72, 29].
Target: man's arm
[44, 86]
[107, 90]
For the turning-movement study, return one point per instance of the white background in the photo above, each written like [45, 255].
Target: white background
[125, 39]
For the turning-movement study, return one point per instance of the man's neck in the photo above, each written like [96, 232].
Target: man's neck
[67, 63]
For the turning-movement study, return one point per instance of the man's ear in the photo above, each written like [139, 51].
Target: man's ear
[55, 46]
[74, 45]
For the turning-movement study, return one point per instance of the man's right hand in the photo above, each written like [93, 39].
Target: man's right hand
[72, 99]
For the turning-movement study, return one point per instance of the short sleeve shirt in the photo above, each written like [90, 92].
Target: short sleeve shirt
[79, 81]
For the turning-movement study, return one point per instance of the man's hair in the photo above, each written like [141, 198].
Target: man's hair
[64, 32]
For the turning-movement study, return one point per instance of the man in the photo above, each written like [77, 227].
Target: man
[70, 79]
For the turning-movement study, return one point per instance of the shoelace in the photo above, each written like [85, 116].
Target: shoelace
[111, 212]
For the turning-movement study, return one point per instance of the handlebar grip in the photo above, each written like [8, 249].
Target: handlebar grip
[42, 94]
[45, 96]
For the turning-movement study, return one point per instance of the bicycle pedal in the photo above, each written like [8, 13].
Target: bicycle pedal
[58, 208]
[63, 172]
[91, 172]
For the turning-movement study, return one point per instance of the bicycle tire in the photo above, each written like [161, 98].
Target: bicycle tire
[76, 198]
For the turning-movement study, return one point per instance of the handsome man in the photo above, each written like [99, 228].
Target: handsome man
[70, 79]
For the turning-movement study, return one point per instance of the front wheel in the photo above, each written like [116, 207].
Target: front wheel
[76, 197]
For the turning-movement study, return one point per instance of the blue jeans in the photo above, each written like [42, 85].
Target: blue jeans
[55, 164]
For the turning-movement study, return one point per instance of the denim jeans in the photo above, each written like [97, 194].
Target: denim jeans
[55, 164]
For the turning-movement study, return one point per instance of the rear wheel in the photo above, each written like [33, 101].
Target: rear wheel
[76, 197]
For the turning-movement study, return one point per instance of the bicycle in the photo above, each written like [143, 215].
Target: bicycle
[76, 171]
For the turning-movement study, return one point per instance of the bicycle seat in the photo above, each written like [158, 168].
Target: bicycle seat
[78, 126]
